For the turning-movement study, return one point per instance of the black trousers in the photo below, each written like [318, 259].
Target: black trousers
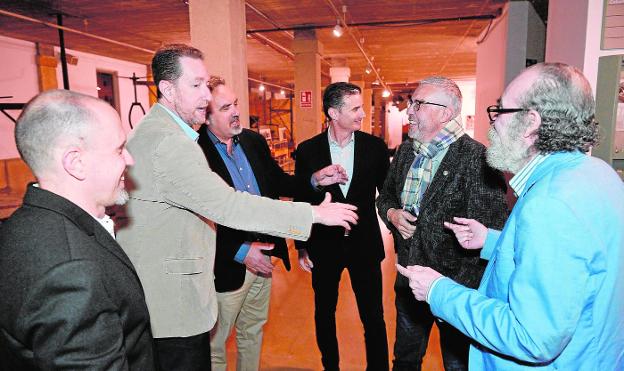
[184, 353]
[413, 326]
[367, 286]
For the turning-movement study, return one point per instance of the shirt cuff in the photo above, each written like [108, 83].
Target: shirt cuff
[490, 243]
[433, 285]
[241, 254]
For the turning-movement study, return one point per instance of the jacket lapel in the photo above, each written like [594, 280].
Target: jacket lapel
[48, 200]
[358, 163]
[213, 156]
[324, 157]
[443, 175]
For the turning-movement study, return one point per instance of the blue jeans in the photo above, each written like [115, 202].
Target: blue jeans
[413, 326]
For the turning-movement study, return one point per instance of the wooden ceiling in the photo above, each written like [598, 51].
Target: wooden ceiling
[409, 40]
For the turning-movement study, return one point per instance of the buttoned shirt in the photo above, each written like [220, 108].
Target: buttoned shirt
[242, 176]
[342, 156]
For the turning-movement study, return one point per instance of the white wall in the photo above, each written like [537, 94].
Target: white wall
[18, 77]
[83, 79]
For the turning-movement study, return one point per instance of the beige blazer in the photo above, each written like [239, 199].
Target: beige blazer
[170, 237]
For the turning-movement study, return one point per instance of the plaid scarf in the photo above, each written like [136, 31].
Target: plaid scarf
[420, 173]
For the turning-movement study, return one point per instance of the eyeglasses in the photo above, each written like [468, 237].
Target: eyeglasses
[495, 110]
[416, 103]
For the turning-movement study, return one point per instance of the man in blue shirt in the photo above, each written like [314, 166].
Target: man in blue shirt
[242, 262]
[552, 295]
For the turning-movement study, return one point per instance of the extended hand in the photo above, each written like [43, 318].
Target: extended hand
[420, 279]
[469, 233]
[335, 213]
[402, 221]
[256, 261]
[329, 175]
[304, 260]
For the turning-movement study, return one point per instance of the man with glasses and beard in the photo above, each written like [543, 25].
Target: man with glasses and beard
[552, 296]
[438, 173]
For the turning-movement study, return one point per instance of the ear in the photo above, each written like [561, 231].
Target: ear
[73, 163]
[333, 113]
[447, 114]
[535, 121]
[166, 89]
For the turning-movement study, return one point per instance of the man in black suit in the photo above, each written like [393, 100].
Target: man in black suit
[243, 265]
[71, 299]
[330, 250]
[437, 174]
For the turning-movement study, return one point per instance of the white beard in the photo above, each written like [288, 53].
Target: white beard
[122, 197]
[508, 154]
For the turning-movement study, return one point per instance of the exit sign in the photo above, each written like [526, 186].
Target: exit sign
[305, 100]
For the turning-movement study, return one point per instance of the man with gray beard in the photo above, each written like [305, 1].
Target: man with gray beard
[552, 295]
[440, 172]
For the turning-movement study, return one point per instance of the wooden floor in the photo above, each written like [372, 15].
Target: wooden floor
[289, 342]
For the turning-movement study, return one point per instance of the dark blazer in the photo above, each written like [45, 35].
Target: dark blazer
[465, 186]
[272, 181]
[71, 299]
[370, 166]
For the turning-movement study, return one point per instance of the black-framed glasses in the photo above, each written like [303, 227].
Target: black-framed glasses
[495, 110]
[417, 102]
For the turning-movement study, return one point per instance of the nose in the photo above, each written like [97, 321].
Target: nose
[207, 94]
[128, 157]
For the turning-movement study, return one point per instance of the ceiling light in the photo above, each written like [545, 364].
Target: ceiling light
[282, 92]
[337, 29]
[376, 82]
[385, 93]
[261, 87]
[368, 70]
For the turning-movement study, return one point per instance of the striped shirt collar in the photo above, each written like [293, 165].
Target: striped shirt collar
[186, 128]
[519, 181]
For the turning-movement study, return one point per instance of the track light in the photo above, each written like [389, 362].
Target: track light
[337, 29]
[385, 93]
[282, 92]
[261, 87]
[376, 82]
[368, 70]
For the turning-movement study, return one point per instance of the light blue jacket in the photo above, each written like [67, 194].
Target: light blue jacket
[552, 296]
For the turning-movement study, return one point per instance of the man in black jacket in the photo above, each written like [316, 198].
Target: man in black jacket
[71, 299]
[330, 250]
[242, 263]
[437, 174]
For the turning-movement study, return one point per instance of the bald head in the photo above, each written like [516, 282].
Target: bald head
[49, 118]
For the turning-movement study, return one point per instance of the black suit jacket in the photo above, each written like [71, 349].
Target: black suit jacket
[71, 299]
[465, 186]
[370, 165]
[272, 181]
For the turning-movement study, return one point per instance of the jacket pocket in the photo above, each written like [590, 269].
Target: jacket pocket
[184, 266]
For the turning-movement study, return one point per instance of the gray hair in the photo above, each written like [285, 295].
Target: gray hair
[449, 87]
[47, 117]
[563, 98]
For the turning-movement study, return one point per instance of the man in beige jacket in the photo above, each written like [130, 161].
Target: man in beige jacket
[170, 237]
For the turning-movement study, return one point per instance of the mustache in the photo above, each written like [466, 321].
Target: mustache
[234, 119]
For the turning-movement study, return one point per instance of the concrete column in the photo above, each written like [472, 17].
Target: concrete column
[339, 74]
[46, 67]
[367, 99]
[308, 113]
[218, 28]
[516, 38]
